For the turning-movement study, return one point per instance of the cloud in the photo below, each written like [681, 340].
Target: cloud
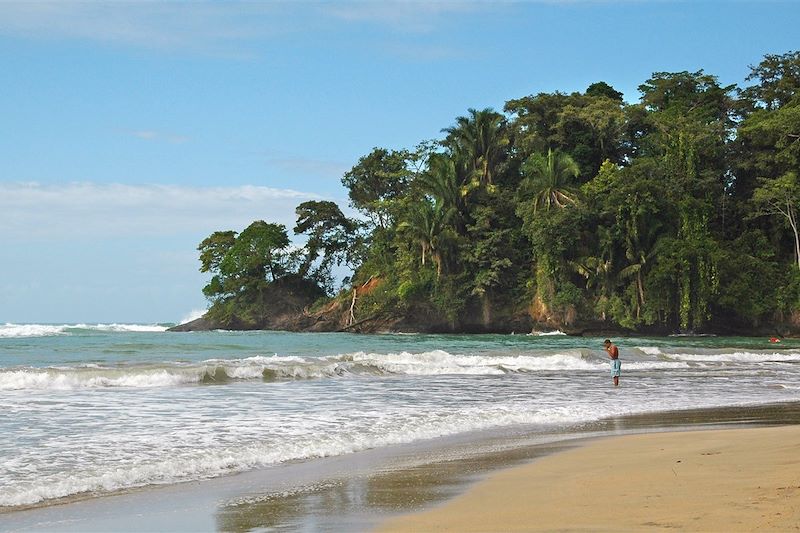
[158, 25]
[91, 210]
[218, 27]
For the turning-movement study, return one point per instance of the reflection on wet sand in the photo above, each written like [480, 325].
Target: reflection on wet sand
[352, 503]
[355, 503]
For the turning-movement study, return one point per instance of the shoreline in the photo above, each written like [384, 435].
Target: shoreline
[357, 492]
[710, 480]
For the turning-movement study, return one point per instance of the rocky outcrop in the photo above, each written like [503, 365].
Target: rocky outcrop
[278, 306]
[287, 305]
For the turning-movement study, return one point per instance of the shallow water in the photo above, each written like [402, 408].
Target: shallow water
[91, 410]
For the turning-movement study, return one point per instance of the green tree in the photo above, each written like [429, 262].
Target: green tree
[591, 132]
[770, 141]
[694, 95]
[213, 250]
[778, 77]
[427, 223]
[781, 197]
[548, 181]
[496, 255]
[602, 89]
[243, 264]
[535, 121]
[590, 127]
[441, 182]
[481, 139]
[377, 182]
[258, 255]
[331, 235]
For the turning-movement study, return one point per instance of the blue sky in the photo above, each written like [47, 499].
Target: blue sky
[130, 131]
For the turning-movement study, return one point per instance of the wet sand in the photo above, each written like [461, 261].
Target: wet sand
[713, 480]
[359, 491]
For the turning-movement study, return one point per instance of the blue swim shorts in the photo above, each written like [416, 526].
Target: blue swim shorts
[616, 364]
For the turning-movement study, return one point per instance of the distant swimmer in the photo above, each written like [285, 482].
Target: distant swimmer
[774, 340]
[616, 364]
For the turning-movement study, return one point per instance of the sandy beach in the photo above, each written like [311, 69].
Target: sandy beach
[713, 480]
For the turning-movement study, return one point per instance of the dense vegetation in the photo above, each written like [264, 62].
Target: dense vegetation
[678, 212]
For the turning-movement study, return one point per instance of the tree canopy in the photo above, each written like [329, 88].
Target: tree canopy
[677, 212]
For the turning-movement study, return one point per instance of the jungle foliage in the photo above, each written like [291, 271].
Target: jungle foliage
[679, 211]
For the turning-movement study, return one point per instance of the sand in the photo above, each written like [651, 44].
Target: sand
[716, 480]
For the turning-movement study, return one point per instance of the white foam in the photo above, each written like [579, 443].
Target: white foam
[31, 330]
[135, 328]
[388, 429]
[653, 365]
[432, 363]
[48, 330]
[737, 357]
[194, 314]
[441, 362]
[547, 333]
[78, 378]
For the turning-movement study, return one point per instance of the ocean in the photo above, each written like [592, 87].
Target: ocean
[89, 410]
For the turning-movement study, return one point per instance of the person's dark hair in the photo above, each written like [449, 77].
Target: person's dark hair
[607, 341]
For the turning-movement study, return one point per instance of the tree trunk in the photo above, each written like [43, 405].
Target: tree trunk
[352, 318]
[639, 286]
[438, 260]
[790, 214]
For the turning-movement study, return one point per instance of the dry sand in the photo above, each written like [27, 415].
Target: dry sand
[721, 480]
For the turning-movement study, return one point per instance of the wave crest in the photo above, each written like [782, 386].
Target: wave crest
[270, 368]
[48, 330]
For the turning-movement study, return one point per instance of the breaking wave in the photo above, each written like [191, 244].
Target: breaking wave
[49, 330]
[273, 368]
[736, 357]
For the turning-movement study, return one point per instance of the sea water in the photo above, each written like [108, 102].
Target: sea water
[95, 409]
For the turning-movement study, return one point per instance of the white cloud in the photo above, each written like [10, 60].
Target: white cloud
[92, 210]
[159, 25]
[218, 27]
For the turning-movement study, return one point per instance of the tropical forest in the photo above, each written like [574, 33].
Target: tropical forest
[673, 214]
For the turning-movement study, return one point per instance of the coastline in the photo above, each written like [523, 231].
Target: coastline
[357, 492]
[713, 480]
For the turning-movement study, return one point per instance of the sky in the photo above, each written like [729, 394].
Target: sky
[131, 131]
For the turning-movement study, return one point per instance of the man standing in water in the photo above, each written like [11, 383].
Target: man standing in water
[616, 364]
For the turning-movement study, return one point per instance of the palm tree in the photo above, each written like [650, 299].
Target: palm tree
[599, 275]
[428, 224]
[550, 180]
[643, 241]
[441, 183]
[481, 139]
